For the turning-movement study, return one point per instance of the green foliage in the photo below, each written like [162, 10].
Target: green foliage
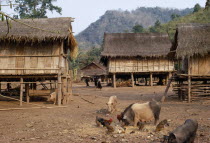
[197, 7]
[85, 58]
[174, 16]
[207, 4]
[138, 29]
[202, 16]
[35, 8]
[119, 21]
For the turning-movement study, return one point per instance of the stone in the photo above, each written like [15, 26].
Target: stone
[29, 125]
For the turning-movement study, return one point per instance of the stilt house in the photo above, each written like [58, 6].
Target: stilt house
[94, 69]
[137, 55]
[33, 51]
[192, 43]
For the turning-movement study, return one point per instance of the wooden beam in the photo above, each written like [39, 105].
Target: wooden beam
[151, 79]
[114, 80]
[30, 69]
[21, 91]
[27, 92]
[132, 79]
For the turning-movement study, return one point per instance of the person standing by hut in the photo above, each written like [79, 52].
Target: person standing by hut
[87, 81]
[99, 84]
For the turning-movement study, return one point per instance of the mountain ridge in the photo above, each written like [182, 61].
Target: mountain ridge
[118, 21]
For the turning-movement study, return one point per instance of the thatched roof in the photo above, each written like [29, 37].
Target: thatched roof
[94, 69]
[192, 39]
[136, 44]
[44, 30]
[58, 26]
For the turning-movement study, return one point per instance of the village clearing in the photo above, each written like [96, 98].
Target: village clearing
[76, 122]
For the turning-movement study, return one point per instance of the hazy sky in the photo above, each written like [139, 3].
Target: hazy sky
[87, 11]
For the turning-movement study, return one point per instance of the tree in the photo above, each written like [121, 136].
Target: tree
[174, 16]
[157, 24]
[152, 29]
[35, 8]
[197, 7]
[138, 29]
[207, 4]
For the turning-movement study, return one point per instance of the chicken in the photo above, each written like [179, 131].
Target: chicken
[161, 125]
[119, 117]
[110, 129]
[102, 121]
[140, 125]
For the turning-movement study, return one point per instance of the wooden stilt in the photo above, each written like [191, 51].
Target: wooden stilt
[167, 78]
[189, 80]
[27, 92]
[21, 91]
[59, 93]
[0, 87]
[114, 80]
[189, 89]
[145, 81]
[151, 79]
[132, 79]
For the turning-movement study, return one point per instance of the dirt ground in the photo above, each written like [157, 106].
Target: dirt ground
[76, 122]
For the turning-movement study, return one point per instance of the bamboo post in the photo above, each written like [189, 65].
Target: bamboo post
[189, 89]
[21, 91]
[167, 78]
[59, 86]
[114, 80]
[27, 92]
[0, 87]
[151, 79]
[189, 81]
[132, 79]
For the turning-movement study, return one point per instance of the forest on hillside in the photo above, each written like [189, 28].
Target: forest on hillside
[118, 21]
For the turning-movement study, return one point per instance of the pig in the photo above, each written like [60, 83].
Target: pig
[52, 97]
[112, 103]
[141, 112]
[185, 133]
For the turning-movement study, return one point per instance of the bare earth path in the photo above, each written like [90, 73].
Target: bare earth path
[76, 123]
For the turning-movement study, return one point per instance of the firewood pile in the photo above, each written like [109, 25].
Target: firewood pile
[124, 84]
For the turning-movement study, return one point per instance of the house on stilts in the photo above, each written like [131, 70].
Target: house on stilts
[192, 44]
[93, 70]
[137, 55]
[35, 51]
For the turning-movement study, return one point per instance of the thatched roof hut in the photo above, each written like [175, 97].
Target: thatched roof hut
[94, 69]
[137, 54]
[136, 45]
[35, 50]
[192, 39]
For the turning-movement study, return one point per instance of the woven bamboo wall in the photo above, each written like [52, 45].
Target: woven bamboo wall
[24, 61]
[140, 65]
[200, 65]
